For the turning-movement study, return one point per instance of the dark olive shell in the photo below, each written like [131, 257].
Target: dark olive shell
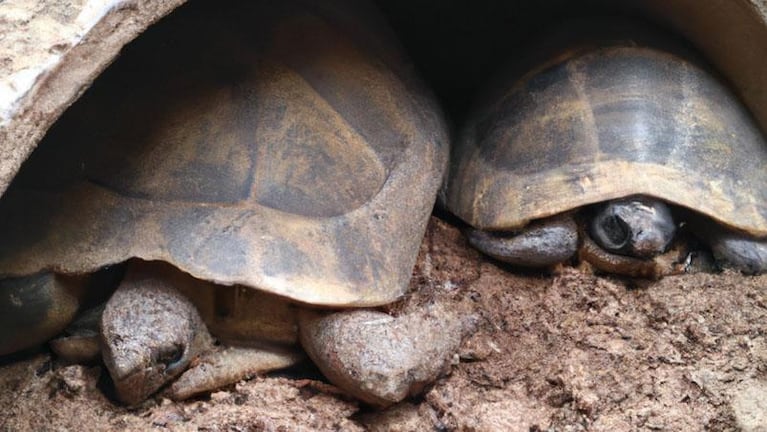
[287, 147]
[607, 121]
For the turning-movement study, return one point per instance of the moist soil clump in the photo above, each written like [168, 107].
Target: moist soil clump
[566, 351]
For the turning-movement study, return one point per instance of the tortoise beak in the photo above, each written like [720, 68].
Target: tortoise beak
[137, 386]
[139, 374]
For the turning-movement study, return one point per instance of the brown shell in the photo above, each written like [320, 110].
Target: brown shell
[603, 122]
[286, 147]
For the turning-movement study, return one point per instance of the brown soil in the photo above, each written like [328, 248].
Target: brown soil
[562, 352]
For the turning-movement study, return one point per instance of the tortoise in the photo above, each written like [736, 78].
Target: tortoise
[276, 157]
[605, 142]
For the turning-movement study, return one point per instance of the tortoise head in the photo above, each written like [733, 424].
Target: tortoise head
[150, 333]
[635, 226]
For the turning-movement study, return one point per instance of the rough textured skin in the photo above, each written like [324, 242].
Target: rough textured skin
[540, 244]
[597, 121]
[222, 367]
[297, 154]
[150, 333]
[379, 358]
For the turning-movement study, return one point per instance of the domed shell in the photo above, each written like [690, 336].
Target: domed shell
[286, 147]
[603, 121]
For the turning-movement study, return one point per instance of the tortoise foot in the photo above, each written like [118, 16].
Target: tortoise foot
[222, 367]
[378, 358]
[81, 342]
[542, 243]
[740, 252]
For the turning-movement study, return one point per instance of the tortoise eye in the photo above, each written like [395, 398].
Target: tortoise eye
[171, 358]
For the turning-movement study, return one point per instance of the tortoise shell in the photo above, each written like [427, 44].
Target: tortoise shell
[286, 147]
[603, 119]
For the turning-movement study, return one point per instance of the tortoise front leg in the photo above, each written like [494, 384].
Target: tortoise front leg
[731, 249]
[227, 365]
[81, 342]
[542, 243]
[738, 251]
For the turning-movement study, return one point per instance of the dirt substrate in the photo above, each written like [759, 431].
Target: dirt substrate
[562, 352]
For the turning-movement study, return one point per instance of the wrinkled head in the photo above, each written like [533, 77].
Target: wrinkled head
[150, 334]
